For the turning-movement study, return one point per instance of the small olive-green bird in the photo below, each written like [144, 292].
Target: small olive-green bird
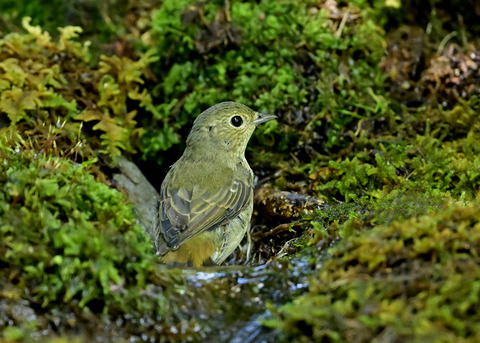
[206, 199]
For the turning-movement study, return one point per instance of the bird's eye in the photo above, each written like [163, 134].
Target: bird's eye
[236, 121]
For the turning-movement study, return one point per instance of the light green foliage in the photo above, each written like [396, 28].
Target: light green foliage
[51, 82]
[27, 84]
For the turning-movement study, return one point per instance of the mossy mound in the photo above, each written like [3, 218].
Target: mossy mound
[67, 240]
[414, 280]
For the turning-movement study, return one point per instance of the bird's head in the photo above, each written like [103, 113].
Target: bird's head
[227, 126]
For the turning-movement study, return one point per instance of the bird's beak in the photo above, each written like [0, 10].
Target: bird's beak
[263, 117]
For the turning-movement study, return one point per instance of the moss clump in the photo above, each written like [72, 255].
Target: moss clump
[414, 280]
[66, 238]
[431, 148]
[47, 83]
[292, 58]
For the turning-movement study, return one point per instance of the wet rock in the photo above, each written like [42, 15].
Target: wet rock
[283, 206]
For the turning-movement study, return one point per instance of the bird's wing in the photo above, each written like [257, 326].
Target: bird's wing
[186, 213]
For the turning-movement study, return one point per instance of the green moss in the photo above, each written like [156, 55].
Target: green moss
[48, 83]
[404, 267]
[71, 253]
[433, 148]
[413, 280]
[282, 58]
[67, 236]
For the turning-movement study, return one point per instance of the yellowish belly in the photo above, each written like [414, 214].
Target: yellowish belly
[214, 245]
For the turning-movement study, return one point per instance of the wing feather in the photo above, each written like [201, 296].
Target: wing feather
[186, 213]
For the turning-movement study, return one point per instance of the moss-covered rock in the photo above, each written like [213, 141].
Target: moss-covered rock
[414, 280]
[67, 240]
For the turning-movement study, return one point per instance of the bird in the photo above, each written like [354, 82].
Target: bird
[206, 199]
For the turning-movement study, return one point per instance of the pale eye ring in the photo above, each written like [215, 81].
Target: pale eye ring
[236, 121]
